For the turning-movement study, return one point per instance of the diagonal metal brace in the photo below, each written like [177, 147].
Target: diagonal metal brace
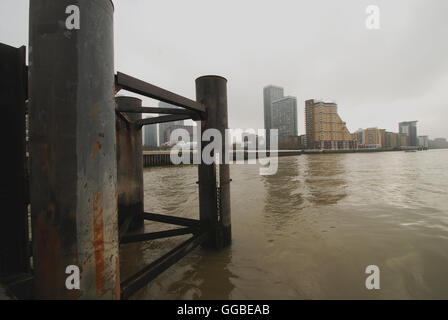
[158, 235]
[150, 272]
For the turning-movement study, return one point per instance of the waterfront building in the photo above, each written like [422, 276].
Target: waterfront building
[293, 143]
[440, 140]
[409, 128]
[270, 94]
[284, 117]
[423, 141]
[391, 140]
[325, 129]
[302, 141]
[371, 138]
[382, 136]
[150, 135]
[403, 139]
[165, 128]
[438, 143]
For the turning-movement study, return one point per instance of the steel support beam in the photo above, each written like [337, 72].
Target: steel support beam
[158, 111]
[73, 160]
[162, 119]
[180, 221]
[126, 82]
[14, 253]
[150, 272]
[158, 235]
[129, 166]
[214, 187]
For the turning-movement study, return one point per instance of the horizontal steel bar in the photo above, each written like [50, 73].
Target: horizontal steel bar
[162, 119]
[158, 235]
[156, 110]
[185, 222]
[150, 272]
[126, 82]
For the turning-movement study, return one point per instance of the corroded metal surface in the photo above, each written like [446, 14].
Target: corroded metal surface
[73, 162]
[214, 188]
[129, 166]
[124, 81]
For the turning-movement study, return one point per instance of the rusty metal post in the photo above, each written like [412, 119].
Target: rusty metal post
[129, 166]
[214, 191]
[73, 159]
[14, 255]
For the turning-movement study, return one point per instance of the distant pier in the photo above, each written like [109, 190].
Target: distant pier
[162, 157]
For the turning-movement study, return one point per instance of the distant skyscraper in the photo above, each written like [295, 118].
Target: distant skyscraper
[150, 135]
[270, 94]
[325, 129]
[284, 117]
[164, 128]
[409, 128]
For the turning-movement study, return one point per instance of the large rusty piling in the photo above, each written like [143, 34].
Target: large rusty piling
[14, 254]
[73, 161]
[214, 179]
[129, 165]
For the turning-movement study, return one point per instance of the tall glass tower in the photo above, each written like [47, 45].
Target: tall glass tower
[270, 94]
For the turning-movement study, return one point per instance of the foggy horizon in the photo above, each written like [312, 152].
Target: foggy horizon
[320, 50]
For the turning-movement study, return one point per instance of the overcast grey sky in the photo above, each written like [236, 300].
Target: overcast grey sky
[314, 49]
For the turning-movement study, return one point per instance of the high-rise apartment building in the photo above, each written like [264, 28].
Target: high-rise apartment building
[284, 117]
[409, 128]
[270, 94]
[325, 129]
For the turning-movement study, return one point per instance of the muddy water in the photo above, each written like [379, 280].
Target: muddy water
[310, 231]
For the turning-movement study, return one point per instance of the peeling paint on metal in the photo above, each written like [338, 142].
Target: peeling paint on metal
[96, 149]
[98, 234]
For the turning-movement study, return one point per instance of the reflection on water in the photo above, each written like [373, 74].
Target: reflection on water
[309, 231]
[325, 179]
[283, 191]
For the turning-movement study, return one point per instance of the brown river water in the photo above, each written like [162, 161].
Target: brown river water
[310, 231]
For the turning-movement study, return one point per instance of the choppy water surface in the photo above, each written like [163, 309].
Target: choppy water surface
[309, 231]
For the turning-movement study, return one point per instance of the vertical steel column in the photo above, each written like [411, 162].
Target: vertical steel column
[73, 157]
[214, 197]
[14, 256]
[129, 167]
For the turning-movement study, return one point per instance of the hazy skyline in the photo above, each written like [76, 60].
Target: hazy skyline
[314, 50]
